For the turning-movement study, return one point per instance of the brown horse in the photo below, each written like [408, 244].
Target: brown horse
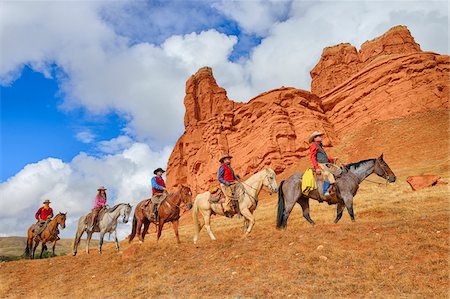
[169, 211]
[49, 234]
[346, 186]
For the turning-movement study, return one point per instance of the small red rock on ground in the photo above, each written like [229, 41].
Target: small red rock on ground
[422, 181]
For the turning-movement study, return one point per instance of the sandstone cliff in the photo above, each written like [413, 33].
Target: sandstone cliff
[390, 77]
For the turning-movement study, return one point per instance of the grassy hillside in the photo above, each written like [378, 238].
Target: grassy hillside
[398, 246]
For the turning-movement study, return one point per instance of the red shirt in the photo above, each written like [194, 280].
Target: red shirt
[44, 214]
[313, 148]
[160, 184]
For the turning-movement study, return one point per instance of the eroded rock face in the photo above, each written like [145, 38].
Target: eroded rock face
[341, 62]
[390, 77]
[270, 130]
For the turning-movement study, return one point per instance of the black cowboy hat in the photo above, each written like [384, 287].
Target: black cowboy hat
[158, 169]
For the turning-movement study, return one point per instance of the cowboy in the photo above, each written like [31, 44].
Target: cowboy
[99, 204]
[320, 159]
[227, 179]
[159, 191]
[43, 217]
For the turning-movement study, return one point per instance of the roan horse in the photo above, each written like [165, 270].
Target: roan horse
[346, 185]
[107, 224]
[49, 234]
[169, 211]
[247, 199]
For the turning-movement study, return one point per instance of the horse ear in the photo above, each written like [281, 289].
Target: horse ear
[381, 157]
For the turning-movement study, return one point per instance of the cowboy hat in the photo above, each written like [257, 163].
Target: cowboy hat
[314, 135]
[158, 169]
[101, 188]
[223, 157]
[47, 201]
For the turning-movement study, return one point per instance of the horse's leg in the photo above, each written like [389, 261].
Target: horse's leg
[36, 244]
[348, 200]
[88, 240]
[175, 229]
[249, 217]
[304, 203]
[42, 249]
[290, 200]
[207, 219]
[145, 230]
[116, 240]
[339, 210]
[139, 230]
[53, 248]
[246, 224]
[160, 227]
[100, 242]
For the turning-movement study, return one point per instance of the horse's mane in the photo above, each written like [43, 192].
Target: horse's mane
[114, 208]
[357, 164]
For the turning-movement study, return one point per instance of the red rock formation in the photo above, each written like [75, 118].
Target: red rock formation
[389, 78]
[422, 181]
[270, 130]
[338, 63]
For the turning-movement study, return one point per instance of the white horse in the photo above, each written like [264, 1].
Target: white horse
[107, 224]
[247, 199]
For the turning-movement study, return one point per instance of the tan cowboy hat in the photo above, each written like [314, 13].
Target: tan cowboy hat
[47, 201]
[101, 188]
[224, 156]
[314, 135]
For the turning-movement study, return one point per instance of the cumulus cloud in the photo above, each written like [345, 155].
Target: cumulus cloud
[85, 136]
[72, 186]
[254, 16]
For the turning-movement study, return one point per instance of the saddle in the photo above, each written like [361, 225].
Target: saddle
[100, 215]
[218, 197]
[312, 186]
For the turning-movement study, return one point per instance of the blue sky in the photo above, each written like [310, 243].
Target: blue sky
[91, 92]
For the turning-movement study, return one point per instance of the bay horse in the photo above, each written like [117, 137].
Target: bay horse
[169, 211]
[247, 200]
[346, 186]
[107, 224]
[49, 234]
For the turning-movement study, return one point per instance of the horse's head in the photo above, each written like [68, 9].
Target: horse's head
[270, 180]
[125, 212]
[61, 220]
[383, 170]
[186, 196]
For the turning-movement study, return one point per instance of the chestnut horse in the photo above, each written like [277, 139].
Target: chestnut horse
[169, 211]
[49, 234]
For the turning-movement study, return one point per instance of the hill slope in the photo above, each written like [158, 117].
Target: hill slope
[397, 247]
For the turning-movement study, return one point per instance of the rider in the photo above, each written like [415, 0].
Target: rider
[319, 159]
[227, 179]
[43, 217]
[159, 191]
[99, 203]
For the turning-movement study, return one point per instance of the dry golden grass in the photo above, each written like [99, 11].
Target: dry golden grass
[398, 247]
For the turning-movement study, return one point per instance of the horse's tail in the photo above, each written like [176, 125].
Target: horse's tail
[281, 212]
[133, 229]
[78, 234]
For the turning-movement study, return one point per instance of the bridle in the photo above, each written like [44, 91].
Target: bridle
[251, 187]
[385, 175]
[179, 204]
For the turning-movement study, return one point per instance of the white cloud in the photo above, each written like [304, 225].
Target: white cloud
[85, 136]
[254, 16]
[72, 186]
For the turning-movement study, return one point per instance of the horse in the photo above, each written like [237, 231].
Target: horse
[169, 211]
[247, 199]
[107, 224]
[49, 234]
[346, 186]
